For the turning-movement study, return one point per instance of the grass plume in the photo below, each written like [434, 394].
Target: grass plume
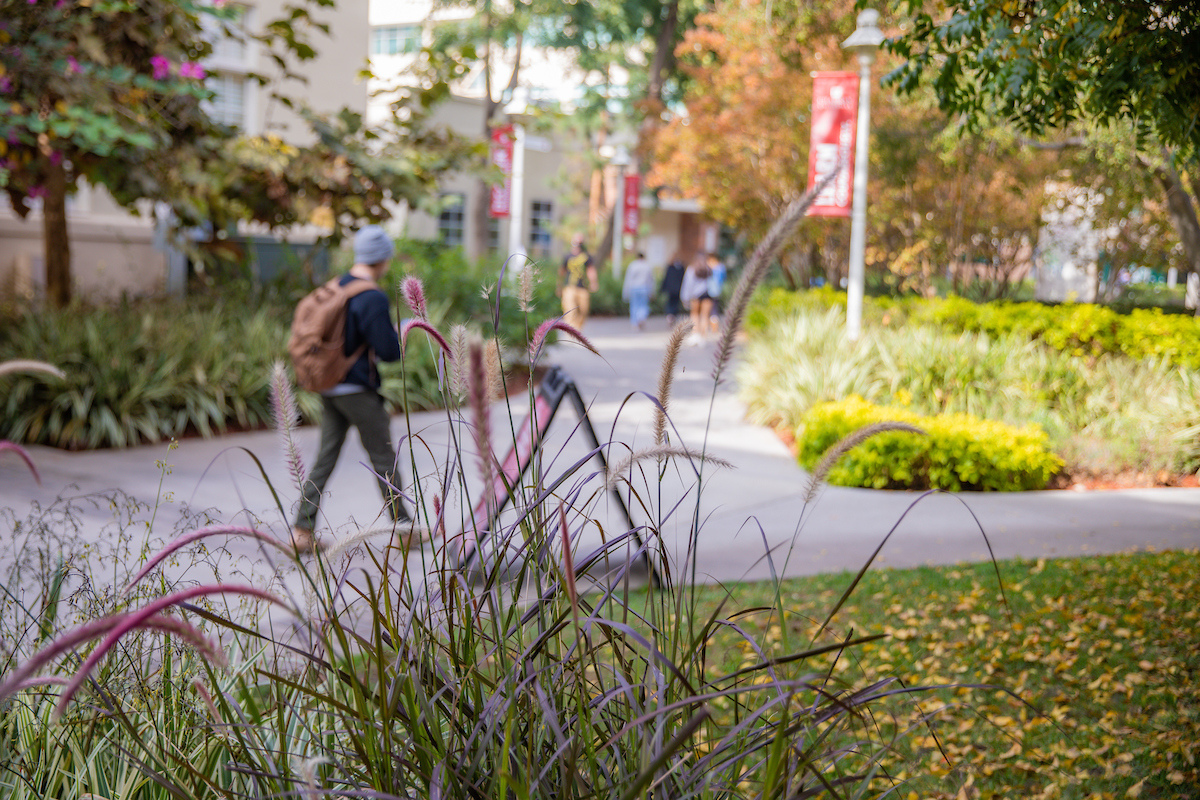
[756, 269]
[848, 443]
[616, 472]
[666, 376]
[286, 414]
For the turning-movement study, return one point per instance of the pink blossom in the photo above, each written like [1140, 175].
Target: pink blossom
[73, 66]
[190, 69]
[414, 295]
[5, 84]
[161, 66]
[36, 191]
[56, 157]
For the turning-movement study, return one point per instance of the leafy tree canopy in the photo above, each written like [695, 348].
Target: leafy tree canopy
[1046, 63]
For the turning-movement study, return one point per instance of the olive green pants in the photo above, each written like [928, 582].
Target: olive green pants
[364, 411]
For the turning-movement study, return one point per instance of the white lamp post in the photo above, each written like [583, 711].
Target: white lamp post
[864, 41]
[620, 160]
[516, 111]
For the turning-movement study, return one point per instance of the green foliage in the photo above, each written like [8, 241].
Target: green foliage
[1046, 64]
[1102, 414]
[467, 289]
[959, 452]
[1081, 329]
[156, 370]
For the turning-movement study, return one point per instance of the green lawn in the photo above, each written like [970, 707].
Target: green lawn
[1090, 687]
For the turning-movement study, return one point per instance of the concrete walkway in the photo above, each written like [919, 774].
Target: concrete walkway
[745, 512]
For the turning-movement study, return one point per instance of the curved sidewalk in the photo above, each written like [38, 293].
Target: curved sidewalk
[746, 512]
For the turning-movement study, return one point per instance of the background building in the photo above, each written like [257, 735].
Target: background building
[115, 253]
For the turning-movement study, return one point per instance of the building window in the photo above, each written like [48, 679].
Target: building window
[228, 103]
[393, 39]
[450, 221]
[541, 217]
[493, 236]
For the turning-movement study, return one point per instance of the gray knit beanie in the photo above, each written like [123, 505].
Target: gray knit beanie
[372, 245]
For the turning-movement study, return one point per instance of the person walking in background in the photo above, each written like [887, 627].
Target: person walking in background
[639, 284]
[672, 283]
[577, 280]
[355, 400]
[695, 293]
[716, 285]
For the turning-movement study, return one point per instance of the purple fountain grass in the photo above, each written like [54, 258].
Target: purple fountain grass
[458, 354]
[283, 408]
[24, 454]
[666, 377]
[413, 292]
[429, 329]
[477, 399]
[539, 337]
[43, 680]
[568, 560]
[195, 536]
[29, 365]
[146, 617]
[139, 619]
[756, 269]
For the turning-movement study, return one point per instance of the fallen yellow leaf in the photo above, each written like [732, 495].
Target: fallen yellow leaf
[1136, 789]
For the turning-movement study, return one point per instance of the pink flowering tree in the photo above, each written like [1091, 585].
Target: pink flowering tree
[112, 92]
[93, 91]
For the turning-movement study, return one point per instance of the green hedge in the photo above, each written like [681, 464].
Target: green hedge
[155, 370]
[1080, 329]
[959, 453]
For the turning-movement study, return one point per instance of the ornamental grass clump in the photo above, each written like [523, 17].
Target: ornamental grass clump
[511, 656]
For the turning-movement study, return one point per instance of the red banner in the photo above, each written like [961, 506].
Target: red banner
[834, 124]
[502, 157]
[632, 213]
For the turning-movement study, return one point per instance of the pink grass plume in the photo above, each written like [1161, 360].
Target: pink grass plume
[135, 620]
[429, 329]
[204, 533]
[24, 454]
[413, 292]
[539, 337]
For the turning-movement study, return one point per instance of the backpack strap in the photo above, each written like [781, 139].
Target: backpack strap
[353, 289]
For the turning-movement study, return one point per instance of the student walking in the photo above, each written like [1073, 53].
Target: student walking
[639, 284]
[716, 286]
[577, 280]
[355, 400]
[695, 293]
[672, 283]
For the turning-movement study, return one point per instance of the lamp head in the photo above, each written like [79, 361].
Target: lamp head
[866, 37]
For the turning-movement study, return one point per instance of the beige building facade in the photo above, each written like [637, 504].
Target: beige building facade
[115, 253]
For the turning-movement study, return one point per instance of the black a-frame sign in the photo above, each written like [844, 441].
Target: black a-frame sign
[555, 386]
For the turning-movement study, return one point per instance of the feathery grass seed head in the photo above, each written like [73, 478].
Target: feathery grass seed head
[666, 377]
[848, 443]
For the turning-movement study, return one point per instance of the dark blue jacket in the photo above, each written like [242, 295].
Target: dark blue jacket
[369, 320]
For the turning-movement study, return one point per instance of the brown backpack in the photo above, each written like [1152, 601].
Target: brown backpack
[318, 341]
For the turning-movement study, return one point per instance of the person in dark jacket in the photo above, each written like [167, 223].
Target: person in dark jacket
[672, 282]
[356, 400]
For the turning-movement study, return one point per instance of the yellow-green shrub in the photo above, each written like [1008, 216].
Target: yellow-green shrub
[959, 453]
[1081, 329]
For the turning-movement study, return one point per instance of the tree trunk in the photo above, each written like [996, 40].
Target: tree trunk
[1182, 210]
[54, 236]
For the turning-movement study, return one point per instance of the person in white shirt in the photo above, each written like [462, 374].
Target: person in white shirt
[639, 285]
[695, 294]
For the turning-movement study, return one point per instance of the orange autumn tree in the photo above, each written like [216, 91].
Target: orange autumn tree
[742, 145]
[944, 202]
